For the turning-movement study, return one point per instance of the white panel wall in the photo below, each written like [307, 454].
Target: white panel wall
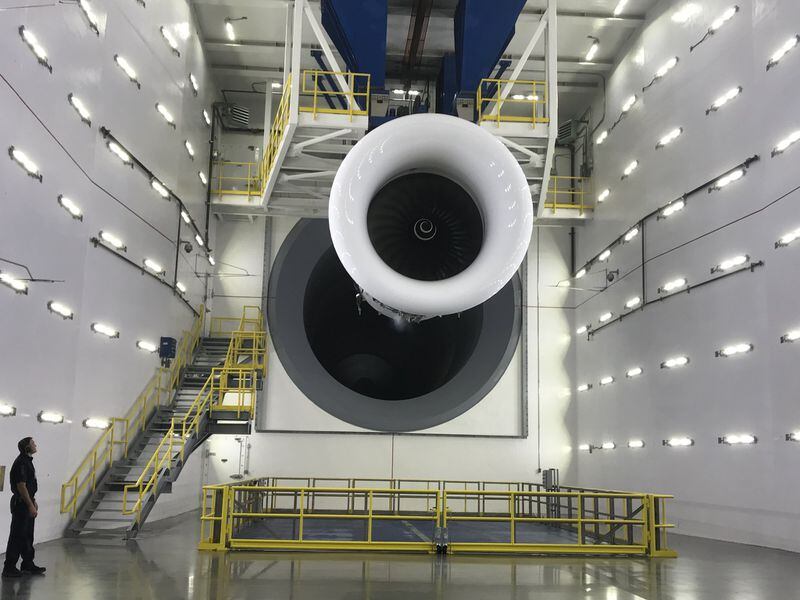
[49, 363]
[744, 494]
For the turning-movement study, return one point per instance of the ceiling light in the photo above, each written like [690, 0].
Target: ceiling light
[726, 16]
[602, 137]
[170, 39]
[123, 64]
[202, 177]
[199, 240]
[47, 416]
[608, 446]
[630, 169]
[33, 43]
[211, 260]
[60, 309]
[671, 136]
[185, 216]
[666, 67]
[96, 423]
[786, 142]
[726, 180]
[678, 442]
[633, 372]
[790, 336]
[121, 154]
[731, 263]
[146, 346]
[584, 387]
[164, 112]
[603, 195]
[604, 255]
[788, 238]
[206, 117]
[230, 31]
[672, 285]
[724, 99]
[582, 329]
[620, 7]
[414, 92]
[686, 12]
[607, 380]
[105, 330]
[22, 159]
[80, 108]
[782, 51]
[398, 92]
[633, 302]
[90, 15]
[276, 85]
[184, 30]
[532, 97]
[584, 447]
[181, 287]
[635, 444]
[159, 187]
[189, 148]
[19, 286]
[675, 362]
[632, 233]
[672, 208]
[193, 82]
[592, 51]
[580, 273]
[153, 266]
[735, 439]
[794, 436]
[629, 103]
[606, 316]
[6, 410]
[518, 97]
[113, 241]
[733, 350]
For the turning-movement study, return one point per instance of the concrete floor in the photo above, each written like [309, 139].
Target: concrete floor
[163, 564]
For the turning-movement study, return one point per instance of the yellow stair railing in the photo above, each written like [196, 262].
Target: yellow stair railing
[311, 92]
[115, 441]
[526, 103]
[568, 192]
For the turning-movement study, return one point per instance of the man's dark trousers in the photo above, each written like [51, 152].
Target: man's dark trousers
[20, 539]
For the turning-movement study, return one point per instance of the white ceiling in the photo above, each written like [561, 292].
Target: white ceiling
[256, 59]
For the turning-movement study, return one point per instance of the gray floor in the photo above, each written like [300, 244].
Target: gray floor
[163, 564]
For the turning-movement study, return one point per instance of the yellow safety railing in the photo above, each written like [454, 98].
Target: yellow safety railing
[237, 178]
[569, 192]
[311, 93]
[279, 125]
[526, 103]
[115, 441]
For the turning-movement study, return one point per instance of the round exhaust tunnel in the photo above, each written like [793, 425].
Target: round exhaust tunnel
[371, 370]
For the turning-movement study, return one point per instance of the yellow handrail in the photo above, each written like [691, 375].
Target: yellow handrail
[278, 128]
[565, 191]
[246, 181]
[527, 102]
[311, 88]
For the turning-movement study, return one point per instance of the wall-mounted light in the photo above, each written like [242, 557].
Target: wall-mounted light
[675, 362]
[726, 180]
[91, 16]
[48, 416]
[672, 285]
[206, 117]
[633, 372]
[126, 67]
[733, 350]
[787, 46]
[620, 7]
[211, 260]
[170, 39]
[113, 241]
[181, 288]
[608, 446]
[580, 273]
[518, 97]
[582, 329]
[189, 148]
[730, 263]
[229, 30]
[678, 442]
[117, 150]
[69, 205]
[62, 310]
[6, 410]
[629, 102]
[33, 43]
[153, 266]
[185, 216]
[193, 82]
[159, 187]
[24, 161]
[592, 51]
[607, 380]
[146, 346]
[16, 284]
[80, 108]
[585, 447]
[737, 439]
[633, 302]
[784, 144]
[726, 16]
[635, 444]
[790, 336]
[606, 316]
[106, 330]
[276, 85]
[96, 423]
[788, 238]
[669, 137]
[602, 196]
[202, 177]
[632, 233]
[199, 240]
[686, 12]
[724, 99]
[666, 67]
[793, 436]
[584, 387]
[671, 208]
[166, 114]
[604, 255]
[630, 169]
[601, 137]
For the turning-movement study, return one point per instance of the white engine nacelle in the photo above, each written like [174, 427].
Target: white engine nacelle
[430, 215]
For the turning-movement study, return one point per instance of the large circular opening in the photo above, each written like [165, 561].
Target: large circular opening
[425, 226]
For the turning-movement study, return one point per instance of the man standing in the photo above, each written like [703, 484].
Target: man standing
[23, 512]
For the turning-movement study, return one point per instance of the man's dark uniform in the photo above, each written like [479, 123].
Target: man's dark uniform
[20, 539]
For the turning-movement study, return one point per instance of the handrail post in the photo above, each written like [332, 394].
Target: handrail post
[369, 519]
[580, 519]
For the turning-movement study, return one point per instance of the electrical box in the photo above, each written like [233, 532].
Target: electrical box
[465, 108]
[166, 350]
[378, 104]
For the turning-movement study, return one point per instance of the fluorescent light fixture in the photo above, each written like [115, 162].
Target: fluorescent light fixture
[80, 108]
[153, 266]
[170, 39]
[635, 444]
[60, 309]
[633, 372]
[121, 154]
[584, 447]
[202, 177]
[230, 31]
[628, 104]
[189, 148]
[686, 12]
[113, 241]
[736, 439]
[532, 97]
[790, 336]
[276, 85]
[96, 423]
[193, 82]
[211, 260]
[787, 46]
[666, 67]
[414, 92]
[672, 285]
[48, 416]
[602, 137]
[603, 195]
[399, 92]
[678, 442]
[164, 112]
[731, 263]
[19, 286]
[199, 240]
[608, 446]
[675, 362]
[671, 208]
[584, 387]
[146, 346]
[794, 436]
[91, 16]
[582, 329]
[726, 16]
[734, 349]
[518, 97]
[126, 67]
[788, 238]
[633, 302]
[206, 117]
[592, 51]
[632, 233]
[181, 287]
[630, 169]
[604, 255]
[724, 99]
[620, 7]
[580, 273]
[784, 144]
[606, 316]
[24, 161]
[6, 410]
[159, 187]
[726, 180]
[33, 43]
[670, 137]
[184, 30]
[106, 330]
[607, 380]
[185, 216]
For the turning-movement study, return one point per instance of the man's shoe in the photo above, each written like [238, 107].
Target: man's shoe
[13, 572]
[33, 569]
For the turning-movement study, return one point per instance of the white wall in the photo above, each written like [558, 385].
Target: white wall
[54, 364]
[744, 494]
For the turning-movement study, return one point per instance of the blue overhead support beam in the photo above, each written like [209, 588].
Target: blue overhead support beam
[447, 86]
